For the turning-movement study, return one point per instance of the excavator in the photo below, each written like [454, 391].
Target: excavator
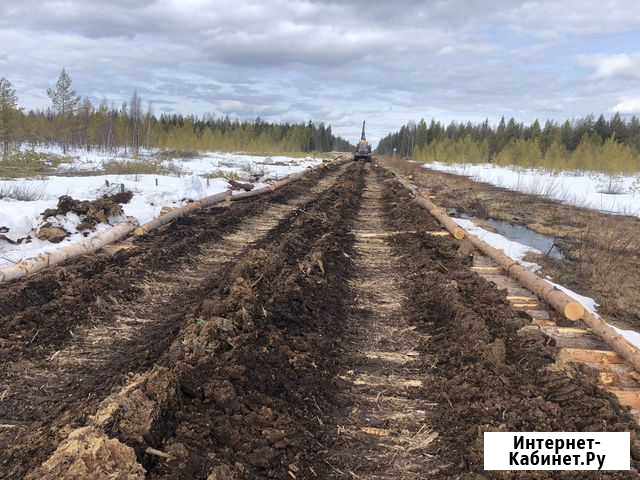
[363, 150]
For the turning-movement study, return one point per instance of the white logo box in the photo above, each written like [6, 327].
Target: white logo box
[557, 451]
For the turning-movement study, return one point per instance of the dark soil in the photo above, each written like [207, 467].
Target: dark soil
[40, 314]
[251, 400]
[485, 375]
[65, 297]
[253, 351]
[602, 251]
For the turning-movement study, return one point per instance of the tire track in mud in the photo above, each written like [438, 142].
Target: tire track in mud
[346, 342]
[386, 431]
[236, 388]
[53, 390]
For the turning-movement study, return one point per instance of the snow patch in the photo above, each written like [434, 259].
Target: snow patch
[200, 176]
[512, 249]
[581, 189]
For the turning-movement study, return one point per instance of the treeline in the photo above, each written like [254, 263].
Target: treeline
[72, 122]
[605, 145]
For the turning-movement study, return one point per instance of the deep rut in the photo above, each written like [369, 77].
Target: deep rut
[387, 432]
[55, 390]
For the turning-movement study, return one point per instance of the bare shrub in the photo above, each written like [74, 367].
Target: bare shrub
[613, 185]
[24, 192]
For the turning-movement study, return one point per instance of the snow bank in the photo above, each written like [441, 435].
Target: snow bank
[574, 188]
[19, 219]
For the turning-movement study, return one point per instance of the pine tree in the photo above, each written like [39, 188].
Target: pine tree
[8, 109]
[64, 101]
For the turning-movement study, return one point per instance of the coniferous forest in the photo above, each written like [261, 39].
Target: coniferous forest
[73, 122]
[610, 145]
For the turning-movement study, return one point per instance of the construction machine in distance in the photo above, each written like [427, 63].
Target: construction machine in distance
[363, 150]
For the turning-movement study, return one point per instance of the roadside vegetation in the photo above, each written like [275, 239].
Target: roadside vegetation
[610, 146]
[23, 192]
[19, 164]
[75, 122]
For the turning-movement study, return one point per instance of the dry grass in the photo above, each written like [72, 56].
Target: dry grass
[608, 259]
[25, 192]
[134, 167]
[29, 164]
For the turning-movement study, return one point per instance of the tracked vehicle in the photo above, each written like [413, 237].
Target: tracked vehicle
[363, 150]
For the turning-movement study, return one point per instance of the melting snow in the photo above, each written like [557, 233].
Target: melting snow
[518, 251]
[583, 189]
[151, 192]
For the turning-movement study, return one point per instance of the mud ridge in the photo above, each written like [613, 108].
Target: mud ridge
[119, 333]
[485, 372]
[247, 313]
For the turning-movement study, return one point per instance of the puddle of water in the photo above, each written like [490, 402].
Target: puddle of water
[526, 236]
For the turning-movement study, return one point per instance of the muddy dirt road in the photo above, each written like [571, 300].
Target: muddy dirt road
[320, 332]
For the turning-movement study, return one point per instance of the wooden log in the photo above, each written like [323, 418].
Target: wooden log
[616, 341]
[584, 355]
[627, 397]
[457, 232]
[253, 193]
[55, 257]
[559, 300]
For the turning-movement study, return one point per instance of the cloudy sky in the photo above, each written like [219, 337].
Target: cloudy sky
[333, 61]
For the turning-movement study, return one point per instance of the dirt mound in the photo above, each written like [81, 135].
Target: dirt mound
[51, 233]
[91, 212]
[135, 414]
[89, 453]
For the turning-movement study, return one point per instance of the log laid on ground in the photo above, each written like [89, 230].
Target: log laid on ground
[441, 215]
[253, 193]
[555, 297]
[180, 212]
[611, 336]
[559, 300]
[272, 187]
[55, 257]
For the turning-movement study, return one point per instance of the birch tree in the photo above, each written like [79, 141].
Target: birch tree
[135, 122]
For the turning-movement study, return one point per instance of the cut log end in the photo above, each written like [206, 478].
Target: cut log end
[139, 232]
[573, 311]
[458, 234]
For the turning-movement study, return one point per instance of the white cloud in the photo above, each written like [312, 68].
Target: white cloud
[610, 66]
[549, 18]
[628, 106]
[337, 61]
